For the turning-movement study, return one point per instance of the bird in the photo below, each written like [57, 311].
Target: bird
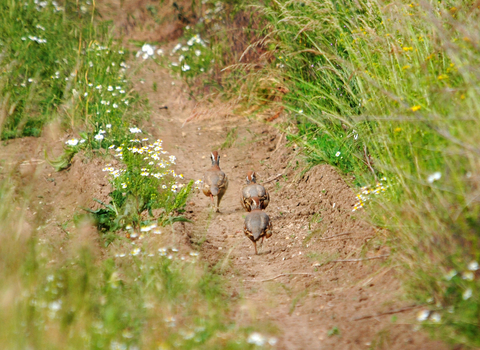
[215, 182]
[254, 190]
[257, 224]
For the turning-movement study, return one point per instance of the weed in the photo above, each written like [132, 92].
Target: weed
[230, 138]
[333, 331]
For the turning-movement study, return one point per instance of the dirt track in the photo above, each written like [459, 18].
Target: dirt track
[313, 224]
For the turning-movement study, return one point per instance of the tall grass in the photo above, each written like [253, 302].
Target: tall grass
[391, 89]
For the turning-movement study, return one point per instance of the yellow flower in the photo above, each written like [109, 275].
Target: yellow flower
[406, 48]
[415, 108]
[406, 67]
[398, 129]
[462, 96]
[442, 77]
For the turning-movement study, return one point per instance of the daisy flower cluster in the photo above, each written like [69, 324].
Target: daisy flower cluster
[463, 282]
[149, 51]
[169, 253]
[144, 171]
[42, 5]
[192, 56]
[367, 193]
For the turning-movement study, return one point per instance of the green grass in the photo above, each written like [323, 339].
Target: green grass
[390, 90]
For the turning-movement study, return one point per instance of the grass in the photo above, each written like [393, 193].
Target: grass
[388, 92]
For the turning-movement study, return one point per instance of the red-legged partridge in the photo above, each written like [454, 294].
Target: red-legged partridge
[215, 182]
[257, 224]
[254, 190]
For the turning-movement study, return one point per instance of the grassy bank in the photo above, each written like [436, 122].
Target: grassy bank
[388, 92]
[104, 288]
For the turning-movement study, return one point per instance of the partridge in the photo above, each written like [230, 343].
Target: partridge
[215, 182]
[257, 224]
[254, 190]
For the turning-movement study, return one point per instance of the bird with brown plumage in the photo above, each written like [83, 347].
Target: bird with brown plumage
[252, 189]
[257, 224]
[215, 182]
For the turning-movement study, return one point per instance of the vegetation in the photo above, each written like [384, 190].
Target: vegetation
[390, 90]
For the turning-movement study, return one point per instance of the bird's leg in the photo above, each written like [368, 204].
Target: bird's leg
[255, 244]
[261, 243]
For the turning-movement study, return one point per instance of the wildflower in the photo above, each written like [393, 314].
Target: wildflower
[135, 252]
[98, 87]
[115, 105]
[450, 275]
[468, 276]
[108, 126]
[467, 294]
[177, 47]
[185, 67]
[473, 266]
[256, 338]
[406, 48]
[160, 52]
[148, 49]
[397, 129]
[442, 77]
[423, 315]
[110, 88]
[415, 108]
[135, 130]
[55, 305]
[72, 142]
[436, 318]
[434, 177]
[126, 102]
[124, 185]
[99, 137]
[338, 154]
[198, 53]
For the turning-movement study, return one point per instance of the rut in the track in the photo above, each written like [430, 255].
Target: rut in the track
[306, 305]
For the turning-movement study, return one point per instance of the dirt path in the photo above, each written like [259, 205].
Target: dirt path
[307, 306]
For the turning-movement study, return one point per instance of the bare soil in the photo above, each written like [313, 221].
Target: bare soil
[305, 298]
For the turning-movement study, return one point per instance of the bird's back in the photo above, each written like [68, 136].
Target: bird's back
[257, 222]
[254, 190]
